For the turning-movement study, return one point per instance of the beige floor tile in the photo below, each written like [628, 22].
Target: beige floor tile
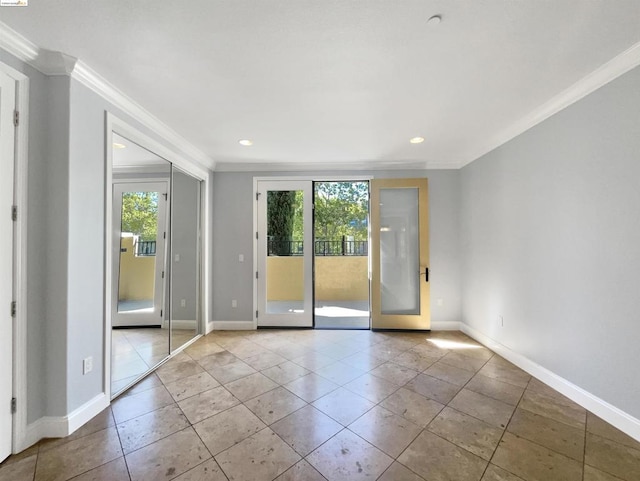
[384, 350]
[436, 459]
[274, 405]
[311, 387]
[245, 349]
[433, 388]
[414, 360]
[306, 429]
[549, 433]
[398, 472]
[228, 428]
[251, 386]
[385, 430]
[467, 432]
[290, 350]
[285, 372]
[172, 371]
[412, 406]
[301, 471]
[207, 471]
[313, 360]
[371, 387]
[613, 458]
[506, 374]
[148, 428]
[595, 425]
[502, 391]
[191, 385]
[231, 372]
[264, 360]
[338, 351]
[395, 373]
[593, 474]
[129, 407]
[364, 361]
[343, 405]
[482, 407]
[79, 456]
[348, 457]
[261, 457]
[494, 473]
[167, 458]
[19, 470]
[221, 358]
[533, 462]
[544, 405]
[198, 350]
[340, 373]
[451, 374]
[459, 360]
[149, 382]
[115, 470]
[207, 403]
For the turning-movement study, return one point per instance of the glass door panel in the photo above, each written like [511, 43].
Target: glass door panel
[400, 254]
[284, 254]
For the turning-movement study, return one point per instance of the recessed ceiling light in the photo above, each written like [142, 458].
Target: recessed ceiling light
[245, 142]
[416, 140]
[116, 145]
[435, 20]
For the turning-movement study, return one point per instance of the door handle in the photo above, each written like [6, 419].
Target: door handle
[425, 274]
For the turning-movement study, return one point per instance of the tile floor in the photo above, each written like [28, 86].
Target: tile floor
[336, 405]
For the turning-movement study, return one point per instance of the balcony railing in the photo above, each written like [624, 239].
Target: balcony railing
[145, 248]
[277, 247]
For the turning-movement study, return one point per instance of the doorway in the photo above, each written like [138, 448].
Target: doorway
[368, 266]
[7, 255]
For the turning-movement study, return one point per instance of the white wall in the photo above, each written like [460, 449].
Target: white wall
[233, 234]
[550, 240]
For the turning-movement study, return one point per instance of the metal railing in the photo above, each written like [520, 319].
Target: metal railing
[276, 247]
[145, 248]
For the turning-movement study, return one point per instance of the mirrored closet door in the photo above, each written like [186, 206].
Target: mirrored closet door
[155, 239]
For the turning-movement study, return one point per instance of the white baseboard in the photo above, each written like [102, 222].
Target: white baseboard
[614, 416]
[233, 325]
[61, 426]
[445, 326]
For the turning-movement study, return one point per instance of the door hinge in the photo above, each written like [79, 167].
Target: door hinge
[256, 234]
[14, 405]
[16, 118]
[14, 213]
[164, 235]
[163, 274]
[256, 274]
[13, 308]
[256, 314]
[160, 312]
[257, 195]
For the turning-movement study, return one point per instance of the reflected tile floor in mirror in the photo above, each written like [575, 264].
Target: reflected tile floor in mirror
[135, 351]
[337, 405]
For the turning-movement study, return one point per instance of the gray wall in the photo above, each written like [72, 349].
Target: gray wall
[551, 241]
[233, 234]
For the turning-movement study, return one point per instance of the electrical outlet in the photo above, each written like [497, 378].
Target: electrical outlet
[87, 365]
[501, 321]
[234, 303]
[177, 257]
[183, 303]
[240, 257]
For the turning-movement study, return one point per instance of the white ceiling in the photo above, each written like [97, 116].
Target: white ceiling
[337, 81]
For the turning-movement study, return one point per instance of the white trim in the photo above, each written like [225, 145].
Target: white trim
[62, 426]
[233, 325]
[614, 416]
[190, 324]
[445, 326]
[611, 70]
[21, 154]
[325, 166]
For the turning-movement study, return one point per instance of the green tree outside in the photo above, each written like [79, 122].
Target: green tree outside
[140, 214]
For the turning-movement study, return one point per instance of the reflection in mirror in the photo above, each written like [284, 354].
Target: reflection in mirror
[185, 257]
[140, 334]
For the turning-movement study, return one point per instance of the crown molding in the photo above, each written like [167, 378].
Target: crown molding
[328, 166]
[57, 63]
[611, 70]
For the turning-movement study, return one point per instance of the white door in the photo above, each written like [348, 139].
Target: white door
[285, 253]
[139, 240]
[7, 139]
